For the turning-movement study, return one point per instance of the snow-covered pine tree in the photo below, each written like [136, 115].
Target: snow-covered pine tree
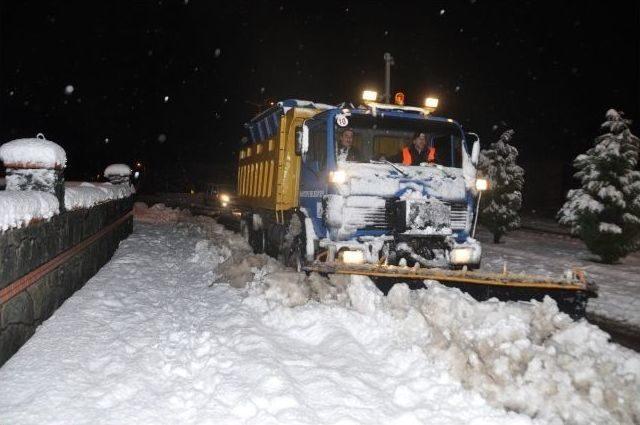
[605, 212]
[502, 201]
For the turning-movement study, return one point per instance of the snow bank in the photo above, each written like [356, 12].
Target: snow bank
[86, 195]
[158, 213]
[19, 208]
[117, 170]
[523, 357]
[33, 153]
[147, 340]
[158, 336]
[529, 358]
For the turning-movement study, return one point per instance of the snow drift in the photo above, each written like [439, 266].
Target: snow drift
[186, 325]
[525, 357]
[158, 213]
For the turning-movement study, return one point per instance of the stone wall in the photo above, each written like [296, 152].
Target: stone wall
[25, 249]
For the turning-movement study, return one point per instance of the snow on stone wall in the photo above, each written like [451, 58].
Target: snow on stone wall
[86, 195]
[33, 153]
[17, 209]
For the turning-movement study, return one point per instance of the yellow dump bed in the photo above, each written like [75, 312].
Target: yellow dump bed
[269, 170]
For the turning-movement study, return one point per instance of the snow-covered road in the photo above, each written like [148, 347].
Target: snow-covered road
[186, 326]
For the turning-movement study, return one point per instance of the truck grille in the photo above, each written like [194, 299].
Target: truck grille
[458, 216]
[383, 217]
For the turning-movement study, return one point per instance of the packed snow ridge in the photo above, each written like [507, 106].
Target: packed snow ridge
[117, 170]
[86, 195]
[187, 325]
[33, 153]
[19, 208]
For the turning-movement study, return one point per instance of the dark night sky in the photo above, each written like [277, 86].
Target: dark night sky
[547, 69]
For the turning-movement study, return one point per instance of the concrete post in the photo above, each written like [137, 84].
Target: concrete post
[35, 165]
[118, 173]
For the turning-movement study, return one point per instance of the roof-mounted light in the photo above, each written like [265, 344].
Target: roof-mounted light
[370, 95]
[431, 102]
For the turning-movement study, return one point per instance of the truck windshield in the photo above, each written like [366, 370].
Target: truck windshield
[399, 140]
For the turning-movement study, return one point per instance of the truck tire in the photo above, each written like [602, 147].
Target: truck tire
[245, 231]
[259, 241]
[255, 238]
[294, 249]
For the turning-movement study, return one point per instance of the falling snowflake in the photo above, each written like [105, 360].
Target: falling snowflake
[262, 89]
[162, 138]
[106, 140]
[69, 89]
[166, 99]
[217, 52]
[494, 127]
[442, 12]
[457, 89]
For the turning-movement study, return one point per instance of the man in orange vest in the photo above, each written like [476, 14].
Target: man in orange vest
[417, 152]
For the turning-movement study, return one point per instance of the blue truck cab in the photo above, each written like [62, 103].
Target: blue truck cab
[374, 207]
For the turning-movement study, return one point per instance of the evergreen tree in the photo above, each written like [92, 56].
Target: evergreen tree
[503, 199]
[605, 211]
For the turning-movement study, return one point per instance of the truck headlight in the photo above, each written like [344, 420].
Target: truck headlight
[224, 198]
[337, 177]
[352, 257]
[461, 255]
[482, 184]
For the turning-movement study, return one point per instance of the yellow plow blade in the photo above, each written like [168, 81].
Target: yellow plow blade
[574, 281]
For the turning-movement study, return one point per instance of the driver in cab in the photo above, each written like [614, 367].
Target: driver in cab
[346, 150]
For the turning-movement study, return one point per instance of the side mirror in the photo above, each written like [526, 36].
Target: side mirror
[302, 139]
[475, 150]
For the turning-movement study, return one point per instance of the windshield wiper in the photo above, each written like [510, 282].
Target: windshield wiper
[395, 167]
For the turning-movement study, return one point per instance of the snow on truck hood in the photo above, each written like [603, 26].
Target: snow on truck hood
[444, 183]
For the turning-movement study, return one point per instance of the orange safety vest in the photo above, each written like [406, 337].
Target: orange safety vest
[406, 155]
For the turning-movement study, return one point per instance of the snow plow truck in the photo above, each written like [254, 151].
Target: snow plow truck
[301, 199]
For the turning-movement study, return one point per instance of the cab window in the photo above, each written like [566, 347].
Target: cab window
[317, 154]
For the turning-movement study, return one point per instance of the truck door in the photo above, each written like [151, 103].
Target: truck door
[313, 182]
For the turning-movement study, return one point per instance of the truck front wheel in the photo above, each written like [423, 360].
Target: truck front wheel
[245, 231]
[255, 238]
[293, 247]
